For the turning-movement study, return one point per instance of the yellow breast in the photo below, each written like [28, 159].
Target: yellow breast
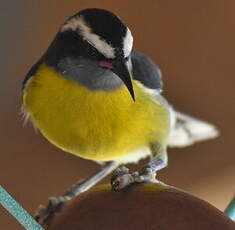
[97, 125]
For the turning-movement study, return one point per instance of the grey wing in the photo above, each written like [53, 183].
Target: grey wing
[146, 71]
[186, 130]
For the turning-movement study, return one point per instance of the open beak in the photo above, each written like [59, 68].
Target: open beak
[119, 67]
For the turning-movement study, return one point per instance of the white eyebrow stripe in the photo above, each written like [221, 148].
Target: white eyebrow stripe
[127, 43]
[80, 25]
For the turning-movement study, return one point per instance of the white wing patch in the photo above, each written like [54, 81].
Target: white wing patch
[78, 24]
[187, 130]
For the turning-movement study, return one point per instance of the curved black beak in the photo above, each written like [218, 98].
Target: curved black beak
[119, 67]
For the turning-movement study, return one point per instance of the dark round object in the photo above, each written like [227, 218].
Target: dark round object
[148, 207]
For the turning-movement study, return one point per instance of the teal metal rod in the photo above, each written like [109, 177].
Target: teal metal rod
[21, 215]
[230, 210]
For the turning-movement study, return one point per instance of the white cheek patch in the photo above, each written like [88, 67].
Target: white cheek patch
[127, 43]
[78, 24]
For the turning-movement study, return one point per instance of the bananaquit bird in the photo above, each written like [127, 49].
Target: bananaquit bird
[92, 95]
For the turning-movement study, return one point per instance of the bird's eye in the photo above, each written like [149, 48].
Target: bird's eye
[93, 53]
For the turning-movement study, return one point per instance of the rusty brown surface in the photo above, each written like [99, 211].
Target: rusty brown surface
[141, 207]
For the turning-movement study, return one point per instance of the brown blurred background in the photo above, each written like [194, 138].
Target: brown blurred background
[192, 42]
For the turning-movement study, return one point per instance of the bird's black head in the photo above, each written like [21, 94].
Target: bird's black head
[105, 31]
[98, 36]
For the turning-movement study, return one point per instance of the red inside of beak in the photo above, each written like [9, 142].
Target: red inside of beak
[106, 64]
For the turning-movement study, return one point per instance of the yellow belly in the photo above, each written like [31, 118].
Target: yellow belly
[97, 125]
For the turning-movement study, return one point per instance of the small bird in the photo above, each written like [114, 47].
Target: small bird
[93, 96]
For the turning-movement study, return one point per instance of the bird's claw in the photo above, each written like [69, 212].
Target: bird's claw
[122, 178]
[43, 213]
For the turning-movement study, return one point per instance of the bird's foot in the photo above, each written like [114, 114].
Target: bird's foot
[43, 213]
[122, 178]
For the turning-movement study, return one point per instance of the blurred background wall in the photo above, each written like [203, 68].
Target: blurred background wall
[192, 42]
